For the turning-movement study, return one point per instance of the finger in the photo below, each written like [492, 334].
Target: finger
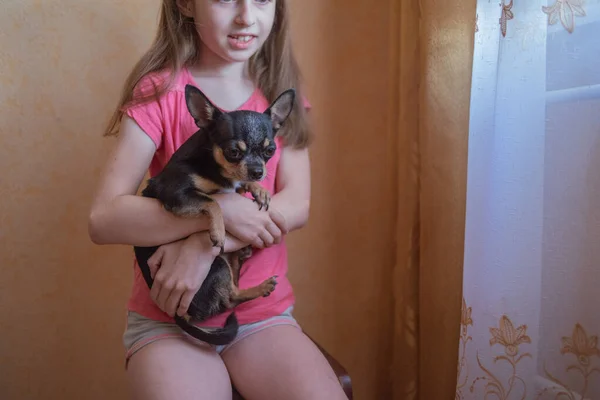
[278, 218]
[155, 260]
[161, 287]
[157, 286]
[172, 302]
[159, 277]
[275, 232]
[185, 302]
[155, 290]
[266, 237]
[164, 295]
[258, 243]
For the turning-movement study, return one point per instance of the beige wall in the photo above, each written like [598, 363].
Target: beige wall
[342, 261]
[62, 302]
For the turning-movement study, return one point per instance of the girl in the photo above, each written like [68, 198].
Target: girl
[239, 54]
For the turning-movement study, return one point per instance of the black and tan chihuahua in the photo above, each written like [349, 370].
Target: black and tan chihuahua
[229, 152]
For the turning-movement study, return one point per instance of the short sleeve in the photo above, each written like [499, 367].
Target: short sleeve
[149, 114]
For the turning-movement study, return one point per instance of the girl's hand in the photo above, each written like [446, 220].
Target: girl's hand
[244, 220]
[178, 270]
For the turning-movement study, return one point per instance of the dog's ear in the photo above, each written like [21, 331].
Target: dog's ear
[281, 108]
[199, 106]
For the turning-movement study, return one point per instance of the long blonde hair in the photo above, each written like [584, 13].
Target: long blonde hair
[177, 43]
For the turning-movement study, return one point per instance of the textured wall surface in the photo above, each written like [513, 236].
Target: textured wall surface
[62, 298]
[341, 262]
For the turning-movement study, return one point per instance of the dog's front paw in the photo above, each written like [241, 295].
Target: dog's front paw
[261, 195]
[268, 286]
[217, 238]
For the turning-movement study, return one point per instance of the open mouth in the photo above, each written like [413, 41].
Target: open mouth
[241, 41]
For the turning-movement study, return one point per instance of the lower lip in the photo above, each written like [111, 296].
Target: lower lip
[238, 44]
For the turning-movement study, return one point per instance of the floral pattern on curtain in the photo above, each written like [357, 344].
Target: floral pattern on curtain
[531, 308]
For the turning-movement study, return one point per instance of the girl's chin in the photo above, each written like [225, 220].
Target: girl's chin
[238, 56]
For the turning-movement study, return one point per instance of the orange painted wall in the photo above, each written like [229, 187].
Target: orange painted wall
[62, 298]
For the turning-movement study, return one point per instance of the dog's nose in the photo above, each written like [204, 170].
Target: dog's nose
[255, 172]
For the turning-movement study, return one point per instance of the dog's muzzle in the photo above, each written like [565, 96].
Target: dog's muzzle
[255, 172]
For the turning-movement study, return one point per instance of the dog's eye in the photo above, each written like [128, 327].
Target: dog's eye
[269, 152]
[234, 154]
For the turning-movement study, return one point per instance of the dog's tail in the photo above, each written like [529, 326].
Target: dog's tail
[215, 336]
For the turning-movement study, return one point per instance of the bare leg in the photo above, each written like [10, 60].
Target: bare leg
[291, 367]
[176, 369]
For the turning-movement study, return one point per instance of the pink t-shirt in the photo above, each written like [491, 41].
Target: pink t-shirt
[168, 123]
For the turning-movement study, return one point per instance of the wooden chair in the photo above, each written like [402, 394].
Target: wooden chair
[340, 371]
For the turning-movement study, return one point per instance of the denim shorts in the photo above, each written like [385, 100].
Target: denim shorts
[141, 331]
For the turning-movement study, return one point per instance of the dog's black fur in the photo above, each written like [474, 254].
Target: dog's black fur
[228, 152]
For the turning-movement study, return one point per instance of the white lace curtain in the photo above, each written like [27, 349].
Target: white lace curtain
[531, 308]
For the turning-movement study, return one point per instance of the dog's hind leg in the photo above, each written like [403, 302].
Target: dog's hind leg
[236, 260]
[239, 296]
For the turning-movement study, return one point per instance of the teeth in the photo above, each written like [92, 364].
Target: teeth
[243, 38]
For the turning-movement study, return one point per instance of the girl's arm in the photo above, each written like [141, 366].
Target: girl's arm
[292, 199]
[118, 215]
